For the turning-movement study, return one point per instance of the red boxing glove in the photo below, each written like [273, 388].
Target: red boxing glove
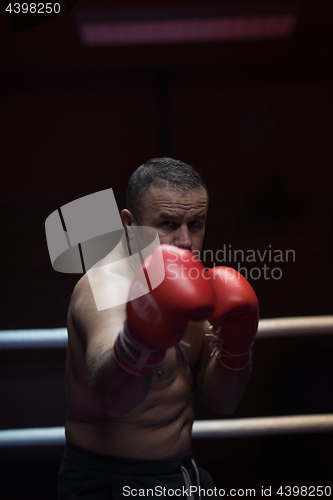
[235, 317]
[157, 320]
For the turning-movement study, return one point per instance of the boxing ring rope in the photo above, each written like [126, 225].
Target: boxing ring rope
[268, 328]
[202, 429]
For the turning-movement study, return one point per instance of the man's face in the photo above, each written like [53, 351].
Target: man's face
[178, 216]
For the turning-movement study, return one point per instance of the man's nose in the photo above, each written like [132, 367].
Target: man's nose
[183, 238]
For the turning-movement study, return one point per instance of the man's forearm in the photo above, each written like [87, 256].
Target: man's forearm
[116, 390]
[221, 388]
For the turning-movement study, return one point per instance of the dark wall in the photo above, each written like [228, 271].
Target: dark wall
[264, 151]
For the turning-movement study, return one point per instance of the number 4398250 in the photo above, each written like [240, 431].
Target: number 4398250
[304, 491]
[33, 8]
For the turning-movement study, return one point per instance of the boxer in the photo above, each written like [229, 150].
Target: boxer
[134, 370]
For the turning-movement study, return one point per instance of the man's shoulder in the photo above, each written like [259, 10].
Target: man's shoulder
[98, 279]
[85, 314]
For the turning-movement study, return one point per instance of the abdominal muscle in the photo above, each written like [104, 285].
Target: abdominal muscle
[158, 428]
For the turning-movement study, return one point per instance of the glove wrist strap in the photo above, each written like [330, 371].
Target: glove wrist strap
[134, 356]
[220, 352]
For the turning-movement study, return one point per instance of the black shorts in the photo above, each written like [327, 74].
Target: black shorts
[85, 475]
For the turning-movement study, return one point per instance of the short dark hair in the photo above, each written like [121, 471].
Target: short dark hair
[164, 173]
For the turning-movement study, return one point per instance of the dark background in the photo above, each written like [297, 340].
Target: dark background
[256, 118]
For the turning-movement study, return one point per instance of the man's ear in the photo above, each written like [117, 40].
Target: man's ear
[127, 218]
[128, 221]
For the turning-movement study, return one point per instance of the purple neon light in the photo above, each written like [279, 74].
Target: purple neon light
[187, 30]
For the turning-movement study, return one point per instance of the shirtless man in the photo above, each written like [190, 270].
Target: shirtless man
[128, 428]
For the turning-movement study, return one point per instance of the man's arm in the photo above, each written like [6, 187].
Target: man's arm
[115, 390]
[219, 387]
[222, 377]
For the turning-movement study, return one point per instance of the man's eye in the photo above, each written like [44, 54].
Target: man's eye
[194, 223]
[167, 223]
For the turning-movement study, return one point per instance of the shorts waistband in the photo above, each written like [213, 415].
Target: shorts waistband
[121, 465]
